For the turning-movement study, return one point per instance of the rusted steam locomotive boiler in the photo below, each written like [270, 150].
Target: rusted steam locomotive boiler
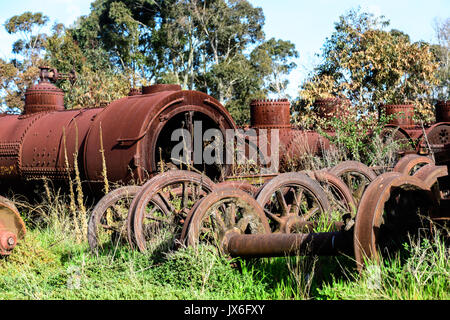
[129, 138]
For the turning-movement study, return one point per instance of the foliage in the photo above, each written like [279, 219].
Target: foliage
[215, 46]
[92, 68]
[201, 45]
[372, 66]
[423, 275]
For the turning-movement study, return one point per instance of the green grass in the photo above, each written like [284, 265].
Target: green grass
[422, 272]
[46, 266]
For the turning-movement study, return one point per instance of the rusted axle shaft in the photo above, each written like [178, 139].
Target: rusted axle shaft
[288, 244]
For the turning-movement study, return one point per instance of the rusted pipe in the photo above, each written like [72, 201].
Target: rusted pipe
[288, 244]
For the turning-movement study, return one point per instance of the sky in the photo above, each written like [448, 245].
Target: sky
[306, 23]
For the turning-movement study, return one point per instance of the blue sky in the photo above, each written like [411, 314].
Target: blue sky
[306, 23]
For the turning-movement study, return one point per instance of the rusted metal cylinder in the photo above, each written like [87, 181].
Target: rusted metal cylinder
[270, 114]
[402, 115]
[332, 108]
[284, 244]
[131, 136]
[42, 144]
[135, 132]
[43, 97]
[443, 111]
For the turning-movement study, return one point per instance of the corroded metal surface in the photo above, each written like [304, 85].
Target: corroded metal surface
[375, 227]
[340, 194]
[239, 184]
[292, 198]
[270, 114]
[129, 138]
[329, 108]
[282, 244]
[400, 115]
[355, 175]
[443, 111]
[401, 136]
[430, 173]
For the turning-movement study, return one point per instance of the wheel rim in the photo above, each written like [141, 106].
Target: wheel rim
[390, 209]
[222, 211]
[339, 195]
[356, 175]
[107, 223]
[178, 190]
[410, 163]
[292, 199]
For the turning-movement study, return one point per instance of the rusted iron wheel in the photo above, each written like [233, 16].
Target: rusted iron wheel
[355, 175]
[239, 184]
[12, 227]
[390, 211]
[225, 211]
[292, 199]
[439, 134]
[178, 190]
[107, 223]
[339, 194]
[410, 163]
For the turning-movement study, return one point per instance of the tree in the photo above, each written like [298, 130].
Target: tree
[273, 59]
[227, 29]
[371, 66]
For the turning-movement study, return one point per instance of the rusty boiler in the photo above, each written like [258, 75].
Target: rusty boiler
[267, 115]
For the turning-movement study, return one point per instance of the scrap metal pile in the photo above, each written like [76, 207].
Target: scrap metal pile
[346, 209]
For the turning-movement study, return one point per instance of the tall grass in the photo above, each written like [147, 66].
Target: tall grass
[423, 275]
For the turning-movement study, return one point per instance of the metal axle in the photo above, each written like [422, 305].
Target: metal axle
[288, 244]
